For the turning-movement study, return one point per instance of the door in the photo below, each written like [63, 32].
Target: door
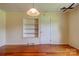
[55, 29]
[44, 23]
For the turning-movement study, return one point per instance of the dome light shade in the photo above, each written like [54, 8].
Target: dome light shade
[33, 12]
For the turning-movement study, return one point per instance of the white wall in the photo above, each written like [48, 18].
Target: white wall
[2, 28]
[14, 27]
[74, 27]
[65, 27]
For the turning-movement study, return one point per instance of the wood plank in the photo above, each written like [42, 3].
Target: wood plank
[38, 50]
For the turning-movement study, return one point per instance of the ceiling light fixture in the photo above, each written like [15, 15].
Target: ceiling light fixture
[33, 11]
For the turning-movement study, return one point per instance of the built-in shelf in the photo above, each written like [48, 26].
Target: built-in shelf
[32, 26]
[30, 33]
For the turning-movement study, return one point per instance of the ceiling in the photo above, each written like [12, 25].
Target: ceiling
[43, 7]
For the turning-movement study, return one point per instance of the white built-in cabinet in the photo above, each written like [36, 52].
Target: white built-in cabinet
[31, 30]
[48, 29]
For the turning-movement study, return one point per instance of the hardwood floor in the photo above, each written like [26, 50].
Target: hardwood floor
[38, 50]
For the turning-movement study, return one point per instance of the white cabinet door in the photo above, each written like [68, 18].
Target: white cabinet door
[50, 29]
[44, 23]
[2, 28]
[55, 30]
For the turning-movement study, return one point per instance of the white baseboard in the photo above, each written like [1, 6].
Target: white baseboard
[21, 44]
[74, 46]
[2, 45]
[34, 44]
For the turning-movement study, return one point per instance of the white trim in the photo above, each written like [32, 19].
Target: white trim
[33, 44]
[2, 45]
[74, 46]
[21, 44]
